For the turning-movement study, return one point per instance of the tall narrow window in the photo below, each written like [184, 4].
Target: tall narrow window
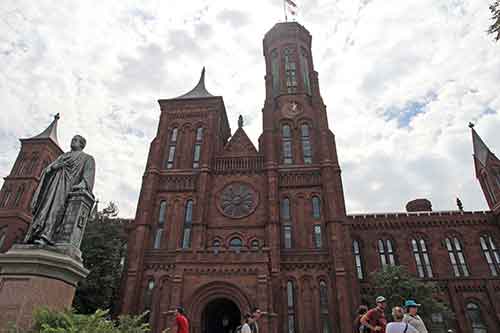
[291, 71]
[491, 254]
[148, 299]
[188, 223]
[34, 162]
[286, 221]
[356, 251]
[197, 147]
[476, 318]
[275, 70]
[161, 225]
[306, 144]
[5, 198]
[22, 165]
[421, 256]
[19, 195]
[457, 258]
[287, 144]
[323, 306]
[317, 236]
[171, 148]
[386, 253]
[3, 236]
[290, 301]
[304, 64]
[316, 207]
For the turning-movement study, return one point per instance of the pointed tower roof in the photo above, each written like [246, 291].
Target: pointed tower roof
[199, 91]
[481, 151]
[50, 132]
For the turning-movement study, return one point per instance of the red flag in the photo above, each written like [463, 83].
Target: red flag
[291, 3]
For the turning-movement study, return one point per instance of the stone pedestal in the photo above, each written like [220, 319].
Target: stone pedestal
[33, 276]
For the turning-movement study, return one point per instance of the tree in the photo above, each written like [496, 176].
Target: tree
[396, 284]
[495, 16]
[103, 250]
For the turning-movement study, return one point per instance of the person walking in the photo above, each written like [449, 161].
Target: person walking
[246, 327]
[358, 327]
[256, 314]
[374, 319]
[411, 317]
[181, 320]
[398, 326]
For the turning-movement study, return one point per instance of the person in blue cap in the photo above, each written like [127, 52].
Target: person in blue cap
[411, 317]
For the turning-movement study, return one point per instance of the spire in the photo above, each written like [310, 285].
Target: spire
[481, 151]
[199, 91]
[50, 132]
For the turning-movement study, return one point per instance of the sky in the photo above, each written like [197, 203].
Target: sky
[401, 80]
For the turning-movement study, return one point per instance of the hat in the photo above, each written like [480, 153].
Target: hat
[380, 299]
[411, 304]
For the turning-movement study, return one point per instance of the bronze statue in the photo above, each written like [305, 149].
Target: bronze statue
[71, 172]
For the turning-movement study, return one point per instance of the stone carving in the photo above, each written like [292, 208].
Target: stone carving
[70, 175]
[238, 200]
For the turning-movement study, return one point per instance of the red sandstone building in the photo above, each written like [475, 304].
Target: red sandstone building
[222, 226]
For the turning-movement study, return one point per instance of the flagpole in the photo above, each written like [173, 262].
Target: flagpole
[284, 10]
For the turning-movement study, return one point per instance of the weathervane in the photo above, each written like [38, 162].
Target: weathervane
[289, 6]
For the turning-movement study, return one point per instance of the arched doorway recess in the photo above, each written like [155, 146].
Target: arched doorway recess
[220, 316]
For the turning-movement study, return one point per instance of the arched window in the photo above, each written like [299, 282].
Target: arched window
[5, 198]
[286, 134]
[476, 318]
[290, 301]
[317, 236]
[275, 71]
[356, 251]
[386, 253]
[491, 254]
[197, 147]
[161, 225]
[171, 148]
[188, 223]
[316, 207]
[421, 256]
[236, 243]
[304, 64]
[291, 71]
[19, 195]
[306, 144]
[286, 223]
[457, 258]
[255, 244]
[216, 243]
[148, 299]
[323, 306]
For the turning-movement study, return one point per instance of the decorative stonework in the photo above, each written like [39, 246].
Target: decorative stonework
[237, 200]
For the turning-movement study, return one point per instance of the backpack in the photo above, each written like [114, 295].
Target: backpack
[406, 328]
[238, 329]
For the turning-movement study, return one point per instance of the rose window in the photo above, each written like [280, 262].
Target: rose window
[238, 200]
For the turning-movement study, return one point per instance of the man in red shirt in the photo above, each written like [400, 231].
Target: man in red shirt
[374, 319]
[181, 321]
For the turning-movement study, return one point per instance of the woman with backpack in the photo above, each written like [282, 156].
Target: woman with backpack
[245, 328]
[398, 326]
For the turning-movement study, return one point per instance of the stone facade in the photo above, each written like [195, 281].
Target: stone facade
[222, 226]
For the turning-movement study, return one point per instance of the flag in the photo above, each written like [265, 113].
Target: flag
[291, 3]
[290, 7]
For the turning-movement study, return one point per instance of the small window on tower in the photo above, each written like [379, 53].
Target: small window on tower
[275, 71]
[291, 71]
[287, 144]
[304, 64]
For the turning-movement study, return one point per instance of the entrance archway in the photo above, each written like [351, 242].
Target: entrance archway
[220, 316]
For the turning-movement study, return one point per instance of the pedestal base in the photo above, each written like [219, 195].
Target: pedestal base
[31, 278]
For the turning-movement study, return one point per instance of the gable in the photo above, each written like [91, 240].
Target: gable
[240, 145]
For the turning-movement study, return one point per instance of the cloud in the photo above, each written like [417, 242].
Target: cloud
[401, 79]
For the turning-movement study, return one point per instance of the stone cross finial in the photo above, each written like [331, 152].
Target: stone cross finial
[57, 116]
[471, 125]
[460, 205]
[240, 121]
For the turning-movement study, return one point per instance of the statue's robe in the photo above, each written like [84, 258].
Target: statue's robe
[49, 201]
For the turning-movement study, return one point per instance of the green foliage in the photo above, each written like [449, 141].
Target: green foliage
[50, 321]
[396, 284]
[495, 16]
[103, 247]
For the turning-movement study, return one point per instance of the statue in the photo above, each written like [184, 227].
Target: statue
[240, 121]
[73, 171]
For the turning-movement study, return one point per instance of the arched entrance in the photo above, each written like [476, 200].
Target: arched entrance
[220, 315]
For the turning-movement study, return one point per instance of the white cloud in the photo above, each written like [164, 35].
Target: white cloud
[103, 65]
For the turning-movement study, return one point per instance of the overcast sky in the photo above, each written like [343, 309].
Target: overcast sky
[401, 80]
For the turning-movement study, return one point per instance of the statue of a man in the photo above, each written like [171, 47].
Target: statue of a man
[72, 171]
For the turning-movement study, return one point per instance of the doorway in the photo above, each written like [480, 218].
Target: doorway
[220, 316]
